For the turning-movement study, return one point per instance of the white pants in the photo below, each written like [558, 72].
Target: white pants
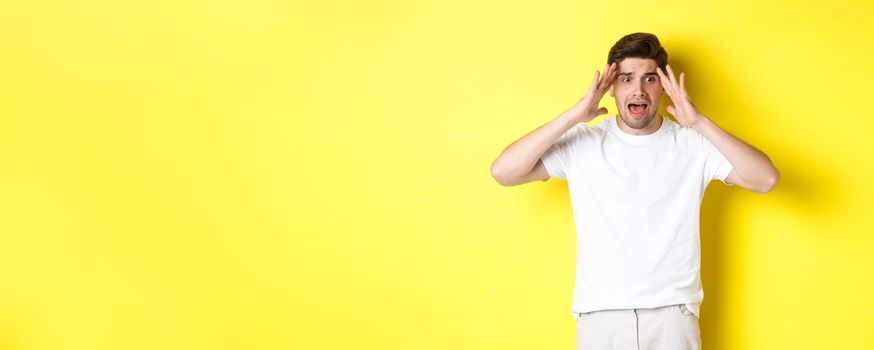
[671, 327]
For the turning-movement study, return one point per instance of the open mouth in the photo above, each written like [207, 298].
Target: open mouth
[637, 109]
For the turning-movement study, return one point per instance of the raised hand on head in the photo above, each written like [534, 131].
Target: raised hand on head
[587, 107]
[683, 110]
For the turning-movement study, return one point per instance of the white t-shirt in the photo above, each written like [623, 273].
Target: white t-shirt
[636, 201]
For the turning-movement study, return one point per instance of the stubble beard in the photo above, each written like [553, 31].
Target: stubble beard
[638, 123]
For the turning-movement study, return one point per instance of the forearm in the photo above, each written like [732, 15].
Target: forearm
[521, 156]
[750, 164]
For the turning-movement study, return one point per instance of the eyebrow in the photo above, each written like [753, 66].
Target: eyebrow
[645, 74]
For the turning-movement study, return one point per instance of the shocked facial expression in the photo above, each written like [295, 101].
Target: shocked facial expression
[638, 91]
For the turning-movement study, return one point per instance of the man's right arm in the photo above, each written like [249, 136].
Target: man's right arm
[520, 162]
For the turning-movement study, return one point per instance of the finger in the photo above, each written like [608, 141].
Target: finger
[603, 83]
[664, 79]
[671, 72]
[614, 68]
[683, 82]
[666, 83]
[600, 79]
[604, 77]
[594, 84]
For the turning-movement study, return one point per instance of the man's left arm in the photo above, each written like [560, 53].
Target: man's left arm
[752, 169]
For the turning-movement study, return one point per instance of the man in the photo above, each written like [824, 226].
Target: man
[636, 183]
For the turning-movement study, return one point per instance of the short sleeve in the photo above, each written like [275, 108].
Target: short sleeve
[557, 158]
[716, 167]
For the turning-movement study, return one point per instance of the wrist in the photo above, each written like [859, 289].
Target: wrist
[699, 122]
[573, 115]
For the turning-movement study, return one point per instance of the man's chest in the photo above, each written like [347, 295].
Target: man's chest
[652, 173]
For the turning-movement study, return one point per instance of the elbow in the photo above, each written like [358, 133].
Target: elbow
[770, 183]
[500, 175]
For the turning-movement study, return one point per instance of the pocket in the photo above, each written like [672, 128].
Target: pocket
[686, 312]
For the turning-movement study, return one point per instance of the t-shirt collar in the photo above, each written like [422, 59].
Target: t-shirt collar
[636, 139]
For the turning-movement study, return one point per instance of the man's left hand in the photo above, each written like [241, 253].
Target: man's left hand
[683, 110]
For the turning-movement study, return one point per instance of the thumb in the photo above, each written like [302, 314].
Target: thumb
[671, 110]
[601, 111]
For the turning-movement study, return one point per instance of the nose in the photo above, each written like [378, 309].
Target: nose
[638, 90]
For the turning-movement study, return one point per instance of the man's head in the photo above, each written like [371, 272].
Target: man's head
[637, 88]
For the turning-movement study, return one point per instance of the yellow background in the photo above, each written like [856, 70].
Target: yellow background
[288, 175]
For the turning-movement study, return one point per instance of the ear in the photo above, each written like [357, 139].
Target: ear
[613, 90]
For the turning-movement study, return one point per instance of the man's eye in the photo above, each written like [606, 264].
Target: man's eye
[650, 79]
[625, 80]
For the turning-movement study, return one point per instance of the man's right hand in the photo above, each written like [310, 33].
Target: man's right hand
[587, 108]
[520, 162]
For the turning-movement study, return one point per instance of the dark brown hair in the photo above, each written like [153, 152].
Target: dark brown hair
[638, 45]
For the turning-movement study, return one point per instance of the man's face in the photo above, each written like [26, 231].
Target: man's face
[638, 91]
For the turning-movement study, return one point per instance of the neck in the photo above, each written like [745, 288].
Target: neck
[654, 125]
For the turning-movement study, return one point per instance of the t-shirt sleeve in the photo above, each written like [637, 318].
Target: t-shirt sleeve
[716, 166]
[557, 158]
